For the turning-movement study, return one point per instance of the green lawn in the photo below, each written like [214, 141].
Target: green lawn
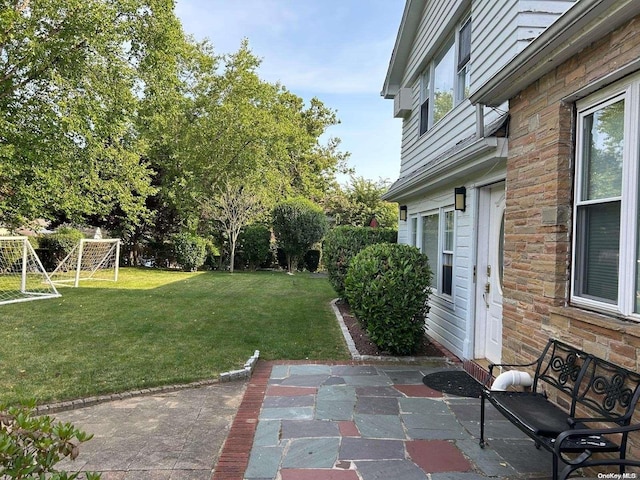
[156, 327]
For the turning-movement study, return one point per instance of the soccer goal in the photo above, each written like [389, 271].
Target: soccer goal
[91, 259]
[22, 277]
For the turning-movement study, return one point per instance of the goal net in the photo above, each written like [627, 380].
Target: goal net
[22, 277]
[91, 259]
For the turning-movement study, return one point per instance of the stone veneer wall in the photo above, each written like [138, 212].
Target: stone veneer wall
[538, 219]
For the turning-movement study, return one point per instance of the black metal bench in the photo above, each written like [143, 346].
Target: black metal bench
[601, 398]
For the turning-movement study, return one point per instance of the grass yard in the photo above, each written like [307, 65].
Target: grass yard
[157, 327]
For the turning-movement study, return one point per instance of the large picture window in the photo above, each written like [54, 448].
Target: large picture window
[445, 81]
[606, 260]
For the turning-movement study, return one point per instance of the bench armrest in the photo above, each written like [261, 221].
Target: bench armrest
[574, 421]
[586, 432]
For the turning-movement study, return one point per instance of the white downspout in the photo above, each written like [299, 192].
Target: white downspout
[512, 377]
[479, 121]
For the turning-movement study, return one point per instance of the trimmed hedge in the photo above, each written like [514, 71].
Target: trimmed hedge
[343, 243]
[312, 260]
[387, 287]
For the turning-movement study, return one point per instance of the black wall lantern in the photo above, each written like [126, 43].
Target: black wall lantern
[403, 213]
[460, 195]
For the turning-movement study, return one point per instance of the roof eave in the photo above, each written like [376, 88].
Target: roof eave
[577, 28]
[402, 48]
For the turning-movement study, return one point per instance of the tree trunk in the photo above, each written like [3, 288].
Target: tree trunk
[232, 255]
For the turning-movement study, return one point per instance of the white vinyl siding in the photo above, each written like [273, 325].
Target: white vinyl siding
[507, 24]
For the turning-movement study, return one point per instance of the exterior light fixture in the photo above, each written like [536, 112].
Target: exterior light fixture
[460, 195]
[403, 213]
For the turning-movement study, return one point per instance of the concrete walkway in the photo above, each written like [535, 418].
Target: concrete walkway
[169, 436]
[368, 422]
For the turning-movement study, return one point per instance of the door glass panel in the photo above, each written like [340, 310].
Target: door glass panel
[414, 231]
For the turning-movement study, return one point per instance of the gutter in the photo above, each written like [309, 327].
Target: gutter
[441, 166]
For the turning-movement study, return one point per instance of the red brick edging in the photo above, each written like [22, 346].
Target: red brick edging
[234, 457]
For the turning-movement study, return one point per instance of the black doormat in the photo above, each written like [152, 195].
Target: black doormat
[454, 382]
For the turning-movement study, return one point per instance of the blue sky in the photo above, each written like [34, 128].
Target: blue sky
[336, 50]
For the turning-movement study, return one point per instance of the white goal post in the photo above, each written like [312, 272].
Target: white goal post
[90, 259]
[22, 276]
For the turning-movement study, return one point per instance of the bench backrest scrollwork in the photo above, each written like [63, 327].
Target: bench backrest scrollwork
[610, 391]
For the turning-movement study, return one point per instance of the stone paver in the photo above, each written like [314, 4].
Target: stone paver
[374, 422]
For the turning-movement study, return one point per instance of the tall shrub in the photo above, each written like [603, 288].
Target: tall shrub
[387, 286]
[343, 243]
[255, 245]
[298, 224]
[53, 247]
[190, 250]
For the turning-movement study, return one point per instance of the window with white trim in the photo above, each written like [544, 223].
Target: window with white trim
[445, 81]
[606, 249]
[437, 242]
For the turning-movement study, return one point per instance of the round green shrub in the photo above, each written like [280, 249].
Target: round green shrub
[190, 250]
[343, 243]
[387, 286]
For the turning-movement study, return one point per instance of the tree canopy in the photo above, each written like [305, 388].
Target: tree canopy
[111, 115]
[68, 145]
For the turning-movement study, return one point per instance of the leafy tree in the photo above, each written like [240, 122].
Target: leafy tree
[297, 224]
[237, 126]
[360, 202]
[68, 75]
[231, 210]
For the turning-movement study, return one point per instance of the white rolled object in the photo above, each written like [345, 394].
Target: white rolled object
[510, 378]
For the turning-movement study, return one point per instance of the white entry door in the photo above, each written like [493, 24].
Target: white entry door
[489, 273]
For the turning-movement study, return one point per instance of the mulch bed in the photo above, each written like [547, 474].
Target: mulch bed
[367, 347]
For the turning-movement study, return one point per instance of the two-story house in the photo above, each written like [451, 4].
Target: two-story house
[572, 223]
[451, 187]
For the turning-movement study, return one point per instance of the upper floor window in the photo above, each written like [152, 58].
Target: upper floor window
[445, 81]
[606, 250]
[464, 59]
